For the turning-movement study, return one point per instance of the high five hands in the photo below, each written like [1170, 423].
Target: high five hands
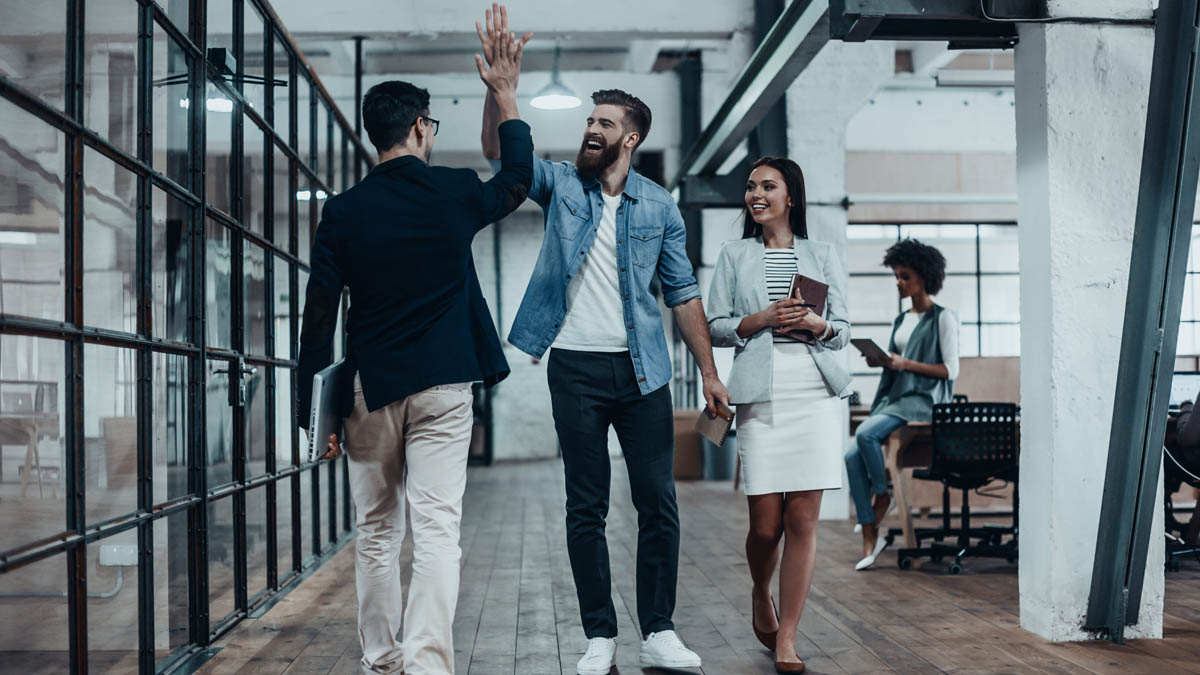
[500, 65]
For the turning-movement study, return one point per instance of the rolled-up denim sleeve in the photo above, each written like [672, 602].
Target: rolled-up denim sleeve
[718, 306]
[674, 268]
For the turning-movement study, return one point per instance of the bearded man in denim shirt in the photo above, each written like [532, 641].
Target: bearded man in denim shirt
[609, 232]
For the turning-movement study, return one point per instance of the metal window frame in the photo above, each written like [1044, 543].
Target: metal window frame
[279, 244]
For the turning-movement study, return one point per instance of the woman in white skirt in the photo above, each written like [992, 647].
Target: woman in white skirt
[789, 416]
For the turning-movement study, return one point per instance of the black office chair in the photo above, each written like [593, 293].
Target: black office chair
[973, 445]
[1179, 468]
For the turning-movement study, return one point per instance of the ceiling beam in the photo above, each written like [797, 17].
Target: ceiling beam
[792, 43]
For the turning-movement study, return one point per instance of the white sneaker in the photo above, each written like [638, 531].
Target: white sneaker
[600, 658]
[880, 544]
[664, 649]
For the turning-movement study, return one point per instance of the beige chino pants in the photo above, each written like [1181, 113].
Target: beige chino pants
[415, 448]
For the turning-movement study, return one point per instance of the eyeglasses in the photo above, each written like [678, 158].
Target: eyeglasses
[435, 123]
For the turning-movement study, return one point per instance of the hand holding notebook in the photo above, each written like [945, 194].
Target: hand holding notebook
[812, 293]
[715, 425]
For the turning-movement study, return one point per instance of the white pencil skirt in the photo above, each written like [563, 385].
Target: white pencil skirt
[794, 441]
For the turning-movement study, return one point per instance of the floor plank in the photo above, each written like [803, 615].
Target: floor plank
[518, 613]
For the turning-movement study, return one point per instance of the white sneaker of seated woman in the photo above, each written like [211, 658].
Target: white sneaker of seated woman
[880, 544]
[600, 658]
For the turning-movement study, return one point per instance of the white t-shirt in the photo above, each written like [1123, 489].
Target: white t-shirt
[947, 333]
[595, 318]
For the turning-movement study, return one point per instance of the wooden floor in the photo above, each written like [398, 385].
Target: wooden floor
[517, 612]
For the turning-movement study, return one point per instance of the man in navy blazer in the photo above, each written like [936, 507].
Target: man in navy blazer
[419, 334]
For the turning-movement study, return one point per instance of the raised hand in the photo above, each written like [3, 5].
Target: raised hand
[494, 36]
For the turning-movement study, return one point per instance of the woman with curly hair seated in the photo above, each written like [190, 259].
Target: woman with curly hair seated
[918, 373]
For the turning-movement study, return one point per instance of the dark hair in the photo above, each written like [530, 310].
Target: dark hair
[793, 180]
[925, 260]
[637, 113]
[389, 110]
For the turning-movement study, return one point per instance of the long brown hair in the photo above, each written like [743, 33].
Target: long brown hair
[793, 178]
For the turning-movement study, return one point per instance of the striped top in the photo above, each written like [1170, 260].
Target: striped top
[780, 266]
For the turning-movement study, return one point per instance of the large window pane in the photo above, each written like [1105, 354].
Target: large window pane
[960, 294]
[220, 24]
[1000, 297]
[171, 267]
[283, 418]
[31, 215]
[968, 340]
[33, 51]
[310, 109]
[998, 250]
[253, 58]
[171, 131]
[256, 541]
[306, 514]
[254, 287]
[32, 460]
[323, 507]
[256, 422]
[220, 560]
[177, 12]
[308, 205]
[1001, 341]
[282, 200]
[112, 604]
[325, 167]
[872, 299]
[170, 584]
[302, 288]
[218, 156]
[109, 244]
[219, 424]
[170, 381]
[35, 636]
[110, 75]
[110, 431]
[254, 209]
[283, 310]
[280, 92]
[956, 242]
[218, 243]
[341, 161]
[284, 524]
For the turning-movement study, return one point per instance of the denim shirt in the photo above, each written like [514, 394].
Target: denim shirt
[650, 242]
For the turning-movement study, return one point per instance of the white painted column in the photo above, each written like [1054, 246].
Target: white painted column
[820, 104]
[1081, 113]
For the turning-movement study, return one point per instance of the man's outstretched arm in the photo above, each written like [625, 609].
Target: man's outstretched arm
[490, 35]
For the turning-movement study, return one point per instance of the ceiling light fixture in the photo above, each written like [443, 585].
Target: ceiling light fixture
[555, 95]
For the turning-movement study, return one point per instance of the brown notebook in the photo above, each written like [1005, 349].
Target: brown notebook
[715, 425]
[812, 292]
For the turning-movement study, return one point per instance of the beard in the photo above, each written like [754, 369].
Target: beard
[594, 165]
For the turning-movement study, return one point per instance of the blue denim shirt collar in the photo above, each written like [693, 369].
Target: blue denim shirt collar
[633, 184]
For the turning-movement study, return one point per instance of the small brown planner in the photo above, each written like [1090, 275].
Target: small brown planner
[812, 292]
[715, 425]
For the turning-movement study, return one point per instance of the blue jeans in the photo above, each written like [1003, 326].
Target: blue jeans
[864, 463]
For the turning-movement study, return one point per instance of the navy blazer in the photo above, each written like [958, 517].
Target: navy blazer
[401, 241]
